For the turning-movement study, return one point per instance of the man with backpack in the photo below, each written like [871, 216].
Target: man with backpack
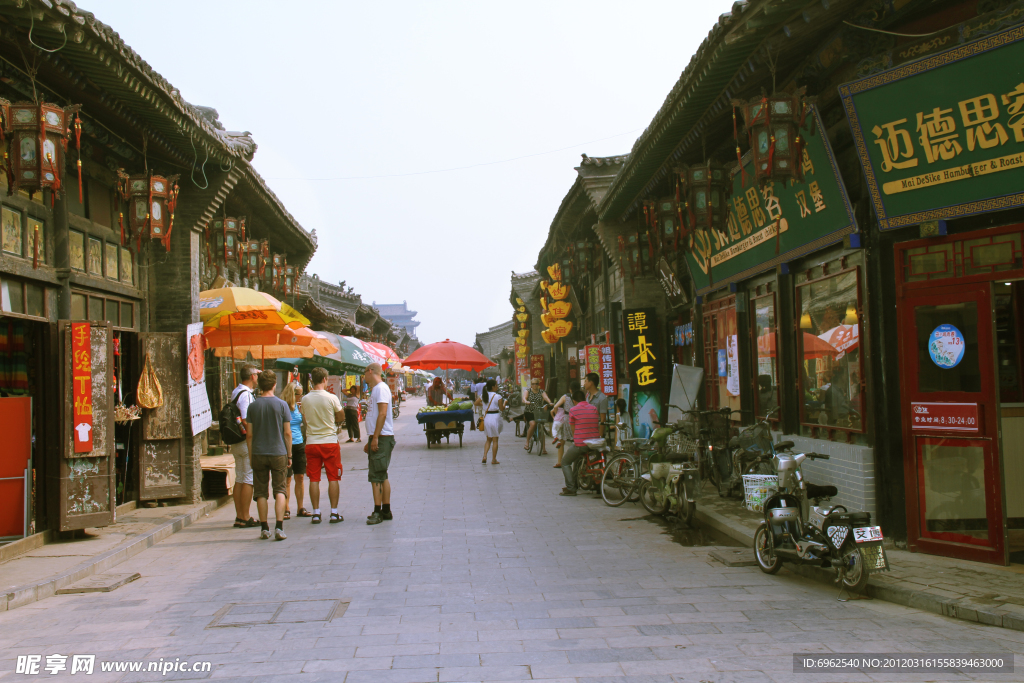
[233, 429]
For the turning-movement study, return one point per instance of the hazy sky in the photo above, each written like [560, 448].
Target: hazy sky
[337, 91]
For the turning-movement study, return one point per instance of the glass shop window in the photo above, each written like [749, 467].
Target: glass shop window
[79, 306]
[829, 351]
[764, 325]
[24, 298]
[721, 355]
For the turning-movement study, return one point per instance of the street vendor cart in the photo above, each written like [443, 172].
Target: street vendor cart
[441, 425]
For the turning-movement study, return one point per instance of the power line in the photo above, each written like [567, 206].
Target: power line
[463, 168]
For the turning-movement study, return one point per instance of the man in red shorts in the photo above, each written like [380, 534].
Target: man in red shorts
[322, 412]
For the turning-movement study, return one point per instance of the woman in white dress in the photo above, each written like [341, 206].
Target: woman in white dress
[493, 404]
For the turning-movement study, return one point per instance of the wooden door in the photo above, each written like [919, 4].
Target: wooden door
[162, 457]
[950, 423]
[85, 481]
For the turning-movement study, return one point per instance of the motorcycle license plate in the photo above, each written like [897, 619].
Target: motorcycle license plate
[867, 534]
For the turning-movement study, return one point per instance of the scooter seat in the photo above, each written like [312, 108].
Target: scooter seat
[675, 457]
[815, 491]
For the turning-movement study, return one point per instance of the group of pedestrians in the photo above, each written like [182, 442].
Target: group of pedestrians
[296, 436]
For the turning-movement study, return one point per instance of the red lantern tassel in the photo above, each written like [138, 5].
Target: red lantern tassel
[739, 159]
[78, 143]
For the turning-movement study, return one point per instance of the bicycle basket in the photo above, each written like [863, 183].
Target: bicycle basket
[680, 443]
[717, 425]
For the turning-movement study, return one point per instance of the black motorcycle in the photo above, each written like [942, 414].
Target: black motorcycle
[794, 531]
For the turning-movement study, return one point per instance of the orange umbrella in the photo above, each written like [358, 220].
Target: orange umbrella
[269, 343]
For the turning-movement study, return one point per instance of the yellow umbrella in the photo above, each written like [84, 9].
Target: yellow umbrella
[244, 308]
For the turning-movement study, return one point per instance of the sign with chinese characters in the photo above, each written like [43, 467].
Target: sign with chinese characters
[522, 372]
[601, 359]
[537, 368]
[952, 417]
[946, 346]
[776, 223]
[81, 383]
[670, 283]
[943, 137]
[198, 400]
[642, 349]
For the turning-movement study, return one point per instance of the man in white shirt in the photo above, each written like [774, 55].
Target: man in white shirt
[323, 413]
[380, 444]
[242, 492]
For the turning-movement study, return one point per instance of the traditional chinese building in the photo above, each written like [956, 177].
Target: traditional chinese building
[400, 316]
[829, 199]
[493, 343]
[152, 201]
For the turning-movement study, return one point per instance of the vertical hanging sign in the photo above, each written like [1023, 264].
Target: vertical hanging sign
[601, 359]
[643, 349]
[198, 400]
[537, 368]
[81, 386]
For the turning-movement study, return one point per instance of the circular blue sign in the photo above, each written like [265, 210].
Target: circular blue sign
[946, 346]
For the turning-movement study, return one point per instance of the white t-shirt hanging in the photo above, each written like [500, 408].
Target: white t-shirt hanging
[379, 394]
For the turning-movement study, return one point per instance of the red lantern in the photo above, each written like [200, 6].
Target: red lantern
[773, 124]
[39, 138]
[226, 230]
[252, 259]
[151, 199]
[706, 188]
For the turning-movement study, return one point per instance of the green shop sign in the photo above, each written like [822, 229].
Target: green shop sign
[943, 137]
[775, 223]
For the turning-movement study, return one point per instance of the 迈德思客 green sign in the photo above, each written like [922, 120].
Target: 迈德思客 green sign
[943, 137]
[774, 223]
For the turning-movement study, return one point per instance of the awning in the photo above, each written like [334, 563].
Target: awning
[349, 358]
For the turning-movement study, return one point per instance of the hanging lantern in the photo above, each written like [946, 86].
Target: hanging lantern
[707, 188]
[549, 336]
[277, 264]
[523, 333]
[555, 271]
[547, 319]
[559, 309]
[522, 317]
[519, 302]
[543, 285]
[264, 260]
[558, 291]
[289, 279]
[151, 200]
[252, 259]
[773, 124]
[226, 229]
[39, 138]
[521, 352]
[561, 328]
[544, 303]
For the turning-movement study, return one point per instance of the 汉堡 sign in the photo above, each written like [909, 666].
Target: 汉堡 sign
[775, 223]
[943, 137]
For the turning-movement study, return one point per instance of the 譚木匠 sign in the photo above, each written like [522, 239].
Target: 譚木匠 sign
[943, 137]
[642, 349]
[775, 223]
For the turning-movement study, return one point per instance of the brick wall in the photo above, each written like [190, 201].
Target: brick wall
[850, 468]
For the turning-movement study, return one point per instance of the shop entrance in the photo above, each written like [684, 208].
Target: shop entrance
[960, 328]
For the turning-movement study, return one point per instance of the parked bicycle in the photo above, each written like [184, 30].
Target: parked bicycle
[590, 469]
[622, 474]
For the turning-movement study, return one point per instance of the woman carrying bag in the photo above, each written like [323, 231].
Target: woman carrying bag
[492, 404]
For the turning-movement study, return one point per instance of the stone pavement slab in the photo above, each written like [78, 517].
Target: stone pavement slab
[972, 591]
[485, 574]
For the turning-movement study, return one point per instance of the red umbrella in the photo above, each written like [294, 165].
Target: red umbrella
[448, 355]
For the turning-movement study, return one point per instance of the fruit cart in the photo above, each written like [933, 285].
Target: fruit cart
[441, 424]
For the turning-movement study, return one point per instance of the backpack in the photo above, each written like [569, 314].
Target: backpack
[231, 431]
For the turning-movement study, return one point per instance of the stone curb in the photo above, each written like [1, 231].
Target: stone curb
[957, 608]
[33, 592]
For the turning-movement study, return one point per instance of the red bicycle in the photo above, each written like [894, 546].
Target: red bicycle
[590, 471]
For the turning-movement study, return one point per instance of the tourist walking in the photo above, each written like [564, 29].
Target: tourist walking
[380, 443]
[292, 395]
[560, 427]
[269, 439]
[583, 420]
[535, 400]
[491, 403]
[243, 396]
[322, 412]
[352, 413]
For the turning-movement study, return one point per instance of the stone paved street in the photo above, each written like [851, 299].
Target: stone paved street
[485, 574]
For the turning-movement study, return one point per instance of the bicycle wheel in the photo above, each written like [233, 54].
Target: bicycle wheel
[649, 499]
[619, 478]
[584, 476]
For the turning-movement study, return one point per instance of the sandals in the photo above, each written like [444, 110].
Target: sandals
[335, 518]
[245, 523]
[495, 462]
[303, 512]
[484, 461]
[558, 465]
[316, 518]
[350, 441]
[287, 514]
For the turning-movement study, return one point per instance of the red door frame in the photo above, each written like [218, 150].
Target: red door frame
[987, 399]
